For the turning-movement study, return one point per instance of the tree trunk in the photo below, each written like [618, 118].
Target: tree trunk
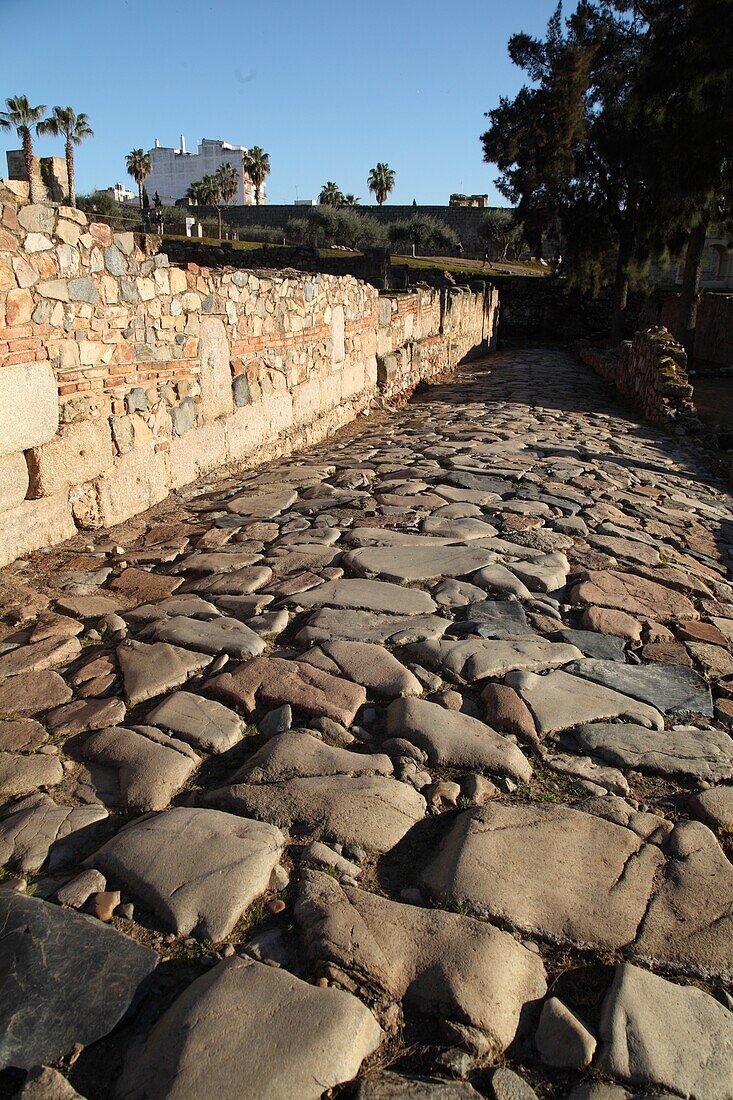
[691, 285]
[140, 192]
[70, 172]
[28, 157]
[218, 218]
[621, 289]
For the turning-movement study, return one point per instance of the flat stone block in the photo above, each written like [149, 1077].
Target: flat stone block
[215, 1039]
[216, 376]
[198, 452]
[306, 401]
[245, 431]
[33, 524]
[49, 999]
[13, 480]
[136, 482]
[76, 454]
[29, 406]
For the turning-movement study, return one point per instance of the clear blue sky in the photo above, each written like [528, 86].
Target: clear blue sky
[327, 87]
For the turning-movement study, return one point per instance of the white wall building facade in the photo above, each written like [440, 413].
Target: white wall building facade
[120, 193]
[174, 170]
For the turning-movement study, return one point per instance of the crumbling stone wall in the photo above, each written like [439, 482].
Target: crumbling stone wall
[650, 371]
[123, 377]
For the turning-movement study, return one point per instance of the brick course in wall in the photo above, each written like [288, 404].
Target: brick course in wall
[122, 377]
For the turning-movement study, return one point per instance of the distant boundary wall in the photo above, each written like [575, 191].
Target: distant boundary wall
[123, 377]
[464, 220]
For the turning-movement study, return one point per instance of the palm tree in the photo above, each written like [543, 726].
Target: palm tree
[21, 117]
[331, 195]
[257, 166]
[74, 128]
[350, 200]
[139, 167]
[381, 181]
[194, 193]
[228, 181]
[207, 192]
[212, 196]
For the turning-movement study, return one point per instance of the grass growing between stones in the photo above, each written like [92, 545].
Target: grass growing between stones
[550, 788]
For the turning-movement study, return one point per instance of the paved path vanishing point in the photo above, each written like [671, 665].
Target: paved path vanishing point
[406, 756]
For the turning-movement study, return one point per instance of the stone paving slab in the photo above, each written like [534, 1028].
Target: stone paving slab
[150, 670]
[147, 767]
[371, 812]
[559, 701]
[456, 740]
[220, 635]
[689, 753]
[689, 923]
[197, 869]
[21, 774]
[49, 1001]
[366, 595]
[323, 1035]
[35, 831]
[477, 659]
[276, 681]
[299, 753]
[432, 961]
[323, 626]
[416, 563]
[554, 872]
[671, 689]
[40, 692]
[373, 666]
[658, 1034]
[202, 723]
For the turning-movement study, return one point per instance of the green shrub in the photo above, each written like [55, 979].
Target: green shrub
[325, 226]
[100, 206]
[427, 234]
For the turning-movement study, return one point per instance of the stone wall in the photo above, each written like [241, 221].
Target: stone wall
[373, 265]
[123, 377]
[650, 371]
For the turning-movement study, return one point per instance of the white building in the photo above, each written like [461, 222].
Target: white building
[174, 170]
[120, 193]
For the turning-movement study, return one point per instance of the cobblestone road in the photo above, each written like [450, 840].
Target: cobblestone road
[405, 757]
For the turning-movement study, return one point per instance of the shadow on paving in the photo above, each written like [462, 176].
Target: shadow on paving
[522, 377]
